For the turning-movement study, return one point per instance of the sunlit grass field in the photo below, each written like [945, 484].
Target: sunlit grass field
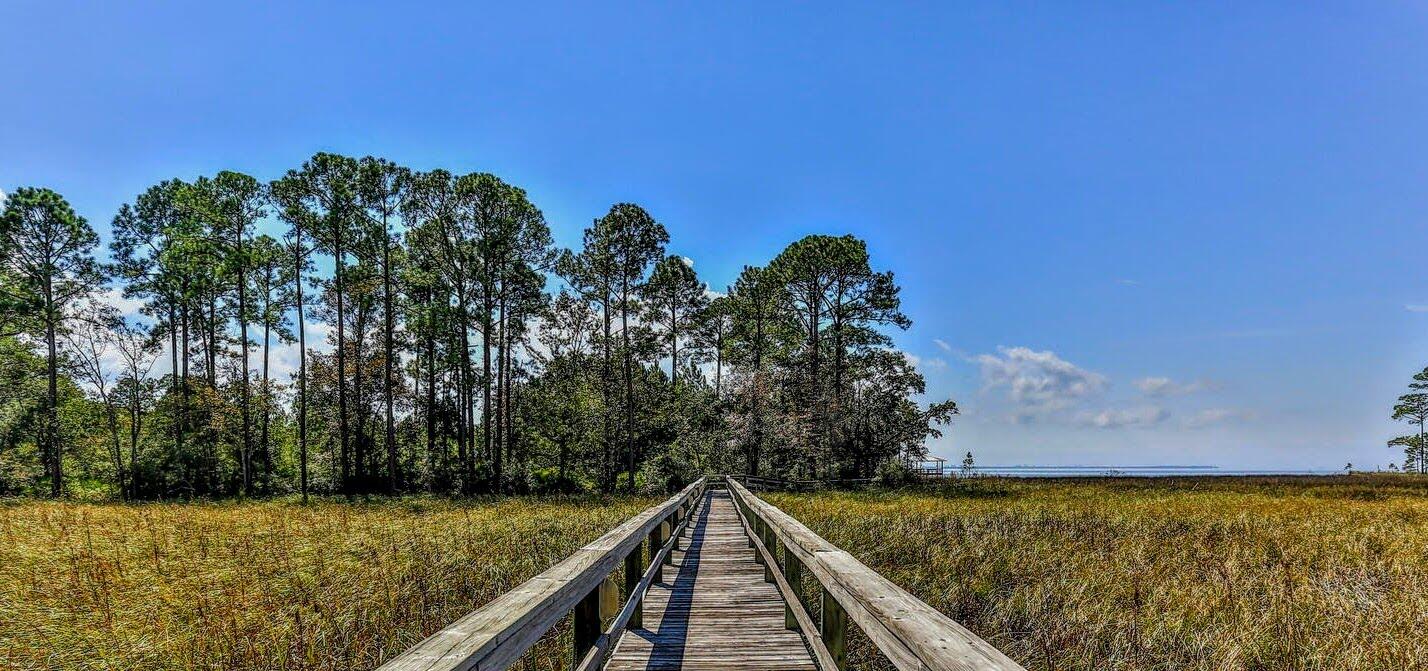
[1224, 574]
[269, 585]
[1192, 573]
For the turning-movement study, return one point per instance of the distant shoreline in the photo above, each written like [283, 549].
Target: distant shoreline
[1030, 471]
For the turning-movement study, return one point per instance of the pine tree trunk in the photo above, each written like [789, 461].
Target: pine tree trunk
[342, 369]
[470, 394]
[430, 390]
[174, 387]
[498, 410]
[487, 440]
[359, 407]
[246, 409]
[391, 433]
[183, 387]
[135, 422]
[52, 443]
[267, 400]
[608, 477]
[629, 383]
[673, 346]
[302, 371]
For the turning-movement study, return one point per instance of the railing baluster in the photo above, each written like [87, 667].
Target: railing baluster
[758, 528]
[634, 570]
[664, 533]
[586, 623]
[834, 629]
[770, 542]
[793, 574]
[678, 517]
[609, 601]
[655, 543]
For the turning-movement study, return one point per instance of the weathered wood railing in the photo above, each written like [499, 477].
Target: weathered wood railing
[910, 633]
[497, 634]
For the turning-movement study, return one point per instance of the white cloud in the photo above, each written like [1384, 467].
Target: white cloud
[923, 364]
[128, 307]
[1212, 416]
[1159, 387]
[687, 261]
[1416, 307]
[1127, 282]
[942, 344]
[1111, 418]
[1038, 382]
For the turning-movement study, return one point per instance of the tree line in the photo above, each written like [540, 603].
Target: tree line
[444, 344]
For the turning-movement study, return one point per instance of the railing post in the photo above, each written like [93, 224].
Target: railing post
[586, 623]
[756, 527]
[771, 543]
[678, 517]
[609, 601]
[793, 573]
[634, 571]
[655, 545]
[834, 629]
[665, 528]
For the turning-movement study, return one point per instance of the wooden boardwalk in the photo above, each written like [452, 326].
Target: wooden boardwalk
[713, 609]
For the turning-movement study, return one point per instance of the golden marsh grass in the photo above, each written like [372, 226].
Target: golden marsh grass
[1206, 574]
[268, 585]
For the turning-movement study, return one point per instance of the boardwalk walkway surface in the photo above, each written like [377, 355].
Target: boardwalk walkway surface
[713, 606]
[713, 610]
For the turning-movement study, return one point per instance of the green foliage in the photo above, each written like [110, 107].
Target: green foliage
[447, 367]
[895, 474]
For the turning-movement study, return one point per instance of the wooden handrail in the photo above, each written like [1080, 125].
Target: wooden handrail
[600, 650]
[794, 609]
[497, 634]
[912, 634]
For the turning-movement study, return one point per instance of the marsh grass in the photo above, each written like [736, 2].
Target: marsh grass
[1189, 573]
[269, 585]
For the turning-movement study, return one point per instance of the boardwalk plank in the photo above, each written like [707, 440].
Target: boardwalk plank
[713, 610]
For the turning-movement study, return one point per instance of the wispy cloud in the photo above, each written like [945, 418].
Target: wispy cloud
[1159, 387]
[1213, 416]
[925, 363]
[1112, 418]
[1416, 307]
[942, 344]
[1127, 282]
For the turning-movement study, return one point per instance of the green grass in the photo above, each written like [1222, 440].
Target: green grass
[1187, 573]
[269, 585]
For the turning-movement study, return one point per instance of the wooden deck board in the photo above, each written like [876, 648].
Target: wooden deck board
[713, 610]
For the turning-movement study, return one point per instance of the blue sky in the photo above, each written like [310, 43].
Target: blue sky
[1128, 233]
